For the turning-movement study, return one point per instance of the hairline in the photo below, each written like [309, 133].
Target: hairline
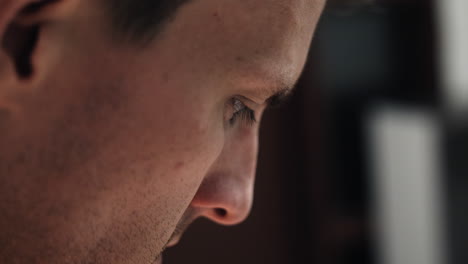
[135, 25]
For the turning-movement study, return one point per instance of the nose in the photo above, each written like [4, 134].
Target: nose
[226, 194]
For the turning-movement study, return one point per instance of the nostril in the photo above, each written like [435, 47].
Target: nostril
[221, 212]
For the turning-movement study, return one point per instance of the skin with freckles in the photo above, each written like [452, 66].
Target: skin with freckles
[108, 150]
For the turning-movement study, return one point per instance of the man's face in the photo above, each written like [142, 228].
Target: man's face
[109, 151]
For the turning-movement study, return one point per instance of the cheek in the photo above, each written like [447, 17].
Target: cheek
[169, 140]
[185, 132]
[153, 150]
[174, 142]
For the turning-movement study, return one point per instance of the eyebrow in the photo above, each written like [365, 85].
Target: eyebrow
[276, 88]
[281, 91]
[280, 96]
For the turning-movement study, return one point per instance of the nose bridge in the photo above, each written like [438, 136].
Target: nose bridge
[226, 194]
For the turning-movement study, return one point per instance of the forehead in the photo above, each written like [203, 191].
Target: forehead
[254, 41]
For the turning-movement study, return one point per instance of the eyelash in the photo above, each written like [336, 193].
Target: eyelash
[241, 113]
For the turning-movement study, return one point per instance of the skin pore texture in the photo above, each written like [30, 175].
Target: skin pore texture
[108, 150]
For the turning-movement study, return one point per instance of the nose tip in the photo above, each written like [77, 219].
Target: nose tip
[226, 202]
[226, 192]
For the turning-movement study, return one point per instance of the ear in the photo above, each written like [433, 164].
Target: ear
[22, 62]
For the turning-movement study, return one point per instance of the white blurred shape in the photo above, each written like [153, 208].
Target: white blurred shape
[404, 147]
[452, 21]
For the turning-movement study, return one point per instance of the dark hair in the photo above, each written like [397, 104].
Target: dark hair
[141, 20]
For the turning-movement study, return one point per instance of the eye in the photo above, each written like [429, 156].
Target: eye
[241, 113]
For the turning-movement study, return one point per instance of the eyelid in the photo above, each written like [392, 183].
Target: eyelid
[241, 112]
[249, 103]
[237, 104]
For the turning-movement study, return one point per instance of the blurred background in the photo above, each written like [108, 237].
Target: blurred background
[368, 161]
